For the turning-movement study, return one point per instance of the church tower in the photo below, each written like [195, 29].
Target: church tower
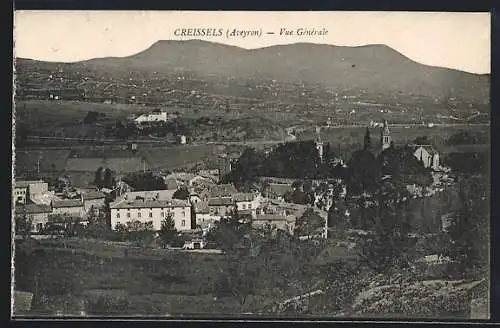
[319, 143]
[385, 136]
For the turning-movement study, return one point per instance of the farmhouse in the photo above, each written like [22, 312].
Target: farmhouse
[202, 213]
[154, 211]
[248, 202]
[72, 207]
[220, 206]
[275, 221]
[222, 190]
[95, 199]
[37, 214]
[25, 191]
[277, 190]
[154, 116]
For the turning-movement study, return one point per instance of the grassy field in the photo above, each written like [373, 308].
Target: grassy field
[67, 112]
[120, 161]
[346, 140]
[78, 274]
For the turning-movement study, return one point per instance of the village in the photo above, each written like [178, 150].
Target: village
[197, 178]
[218, 210]
[196, 201]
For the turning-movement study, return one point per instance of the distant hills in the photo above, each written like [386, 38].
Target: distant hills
[375, 69]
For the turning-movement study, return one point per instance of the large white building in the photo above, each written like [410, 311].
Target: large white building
[155, 116]
[155, 211]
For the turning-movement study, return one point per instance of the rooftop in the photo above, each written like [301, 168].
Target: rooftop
[278, 189]
[274, 217]
[149, 195]
[429, 148]
[201, 207]
[33, 209]
[220, 201]
[26, 183]
[67, 203]
[93, 195]
[149, 203]
[223, 190]
[244, 197]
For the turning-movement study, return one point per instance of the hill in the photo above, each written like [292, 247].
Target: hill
[371, 69]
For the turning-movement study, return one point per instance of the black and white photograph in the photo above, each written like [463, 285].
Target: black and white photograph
[251, 165]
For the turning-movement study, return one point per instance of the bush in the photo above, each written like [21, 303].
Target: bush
[107, 304]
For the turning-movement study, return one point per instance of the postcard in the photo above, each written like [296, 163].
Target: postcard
[251, 165]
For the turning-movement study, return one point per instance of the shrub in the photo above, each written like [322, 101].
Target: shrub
[107, 304]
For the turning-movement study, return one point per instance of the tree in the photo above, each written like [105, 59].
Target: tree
[297, 196]
[245, 173]
[469, 232]
[387, 247]
[422, 140]
[23, 225]
[228, 231]
[91, 117]
[167, 231]
[309, 223]
[98, 180]
[239, 278]
[181, 193]
[108, 179]
[362, 173]
[145, 181]
[367, 140]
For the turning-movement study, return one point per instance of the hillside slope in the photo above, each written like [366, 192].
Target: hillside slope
[374, 69]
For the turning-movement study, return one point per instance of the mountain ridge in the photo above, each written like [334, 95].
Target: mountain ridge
[375, 68]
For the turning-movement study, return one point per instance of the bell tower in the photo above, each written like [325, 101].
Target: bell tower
[385, 136]
[319, 143]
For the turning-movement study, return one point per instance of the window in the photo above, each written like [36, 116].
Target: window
[162, 214]
[138, 214]
[183, 223]
[150, 214]
[184, 213]
[128, 214]
[244, 206]
[117, 215]
[250, 206]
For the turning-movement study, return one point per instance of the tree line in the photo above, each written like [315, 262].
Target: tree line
[300, 160]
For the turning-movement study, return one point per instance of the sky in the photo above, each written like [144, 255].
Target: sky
[454, 40]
